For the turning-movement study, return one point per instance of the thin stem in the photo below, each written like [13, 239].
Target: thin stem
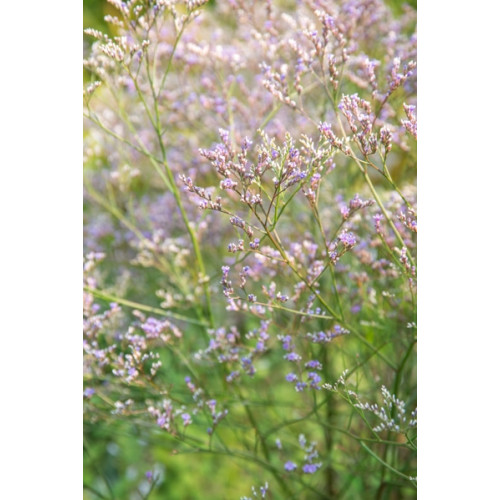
[385, 464]
[142, 307]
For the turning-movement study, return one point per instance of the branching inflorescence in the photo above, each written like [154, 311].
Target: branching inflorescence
[250, 237]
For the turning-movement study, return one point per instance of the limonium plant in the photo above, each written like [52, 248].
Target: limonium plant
[250, 250]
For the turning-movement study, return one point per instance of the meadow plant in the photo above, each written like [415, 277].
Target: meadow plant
[250, 250]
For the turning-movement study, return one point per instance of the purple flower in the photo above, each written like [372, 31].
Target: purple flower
[248, 366]
[325, 127]
[287, 343]
[255, 244]
[315, 379]
[300, 386]
[211, 403]
[224, 135]
[263, 490]
[292, 356]
[88, 392]
[290, 466]
[149, 475]
[348, 239]
[313, 364]
[186, 417]
[377, 218]
[232, 376]
[310, 468]
[228, 184]
[291, 377]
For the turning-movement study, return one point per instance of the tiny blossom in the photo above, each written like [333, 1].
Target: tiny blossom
[233, 376]
[228, 184]
[292, 356]
[88, 392]
[291, 377]
[302, 440]
[348, 239]
[234, 248]
[315, 380]
[300, 386]
[325, 337]
[255, 244]
[248, 366]
[224, 135]
[378, 218]
[310, 468]
[290, 466]
[263, 490]
[386, 139]
[186, 417]
[287, 342]
[314, 364]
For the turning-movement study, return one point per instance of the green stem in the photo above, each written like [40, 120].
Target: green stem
[141, 307]
[385, 464]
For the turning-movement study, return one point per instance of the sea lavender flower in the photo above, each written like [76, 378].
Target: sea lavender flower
[310, 468]
[314, 364]
[182, 141]
[314, 380]
[300, 386]
[186, 418]
[88, 392]
[292, 356]
[411, 124]
[348, 239]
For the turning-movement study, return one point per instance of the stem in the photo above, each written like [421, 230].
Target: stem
[328, 430]
[142, 307]
[169, 181]
[384, 211]
[385, 464]
[278, 246]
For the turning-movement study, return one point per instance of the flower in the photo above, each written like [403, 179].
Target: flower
[310, 468]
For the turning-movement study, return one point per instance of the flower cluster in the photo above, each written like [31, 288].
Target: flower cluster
[250, 226]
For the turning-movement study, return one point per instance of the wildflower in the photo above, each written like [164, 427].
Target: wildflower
[186, 418]
[88, 392]
[310, 468]
[292, 356]
[314, 364]
[300, 386]
[315, 380]
[348, 239]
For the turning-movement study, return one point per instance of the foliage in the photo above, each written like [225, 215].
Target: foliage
[250, 251]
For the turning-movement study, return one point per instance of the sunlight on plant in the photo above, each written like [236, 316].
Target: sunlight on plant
[250, 228]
